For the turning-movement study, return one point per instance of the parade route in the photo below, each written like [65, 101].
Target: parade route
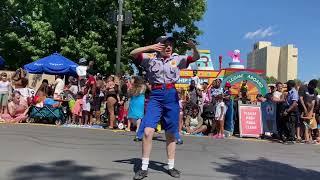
[49, 152]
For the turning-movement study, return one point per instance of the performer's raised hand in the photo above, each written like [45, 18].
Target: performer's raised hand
[157, 47]
[191, 44]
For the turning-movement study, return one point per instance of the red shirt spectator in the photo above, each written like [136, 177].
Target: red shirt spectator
[91, 85]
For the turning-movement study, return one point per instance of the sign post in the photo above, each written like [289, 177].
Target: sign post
[250, 120]
[119, 29]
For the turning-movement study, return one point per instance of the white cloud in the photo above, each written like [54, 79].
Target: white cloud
[260, 33]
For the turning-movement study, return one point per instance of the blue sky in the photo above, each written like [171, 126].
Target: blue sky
[227, 22]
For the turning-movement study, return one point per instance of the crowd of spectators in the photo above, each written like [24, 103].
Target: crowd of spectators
[120, 101]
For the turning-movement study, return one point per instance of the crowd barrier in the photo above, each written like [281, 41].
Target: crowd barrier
[229, 119]
[254, 119]
[269, 116]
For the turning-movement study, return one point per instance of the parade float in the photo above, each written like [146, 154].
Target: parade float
[235, 74]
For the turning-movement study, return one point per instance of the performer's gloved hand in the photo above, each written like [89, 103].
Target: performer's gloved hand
[190, 44]
[157, 47]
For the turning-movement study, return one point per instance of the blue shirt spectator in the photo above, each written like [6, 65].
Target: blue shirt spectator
[51, 102]
[292, 96]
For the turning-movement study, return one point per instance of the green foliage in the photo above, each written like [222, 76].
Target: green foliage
[41, 41]
[30, 29]
[86, 46]
[271, 80]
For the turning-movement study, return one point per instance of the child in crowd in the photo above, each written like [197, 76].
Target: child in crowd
[44, 97]
[123, 104]
[181, 105]
[77, 109]
[73, 86]
[123, 112]
[5, 87]
[220, 113]
[260, 98]
[50, 102]
[136, 103]
[86, 107]
[227, 94]
[82, 85]
[309, 121]
[227, 91]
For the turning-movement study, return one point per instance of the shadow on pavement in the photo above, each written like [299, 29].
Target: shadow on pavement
[264, 169]
[59, 170]
[159, 138]
[157, 166]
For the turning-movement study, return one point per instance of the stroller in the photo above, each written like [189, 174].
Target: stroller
[46, 114]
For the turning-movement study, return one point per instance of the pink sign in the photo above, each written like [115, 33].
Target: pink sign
[250, 121]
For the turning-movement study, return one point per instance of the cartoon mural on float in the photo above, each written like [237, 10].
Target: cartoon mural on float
[204, 63]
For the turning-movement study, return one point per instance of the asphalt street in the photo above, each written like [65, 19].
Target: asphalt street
[35, 152]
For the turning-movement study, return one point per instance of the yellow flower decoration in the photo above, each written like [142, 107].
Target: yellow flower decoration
[151, 55]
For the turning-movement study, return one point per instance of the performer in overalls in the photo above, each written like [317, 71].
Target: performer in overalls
[163, 70]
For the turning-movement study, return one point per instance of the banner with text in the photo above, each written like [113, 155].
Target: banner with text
[250, 120]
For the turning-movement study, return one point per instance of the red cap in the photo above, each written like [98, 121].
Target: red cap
[228, 84]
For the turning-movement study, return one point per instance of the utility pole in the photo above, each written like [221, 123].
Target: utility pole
[220, 62]
[119, 19]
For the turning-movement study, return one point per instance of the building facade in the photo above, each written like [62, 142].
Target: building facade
[279, 62]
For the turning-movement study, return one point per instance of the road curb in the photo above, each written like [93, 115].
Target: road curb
[123, 131]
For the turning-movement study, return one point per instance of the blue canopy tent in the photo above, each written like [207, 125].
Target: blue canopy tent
[55, 64]
[2, 62]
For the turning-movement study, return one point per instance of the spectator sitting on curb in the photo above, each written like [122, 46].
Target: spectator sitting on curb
[17, 109]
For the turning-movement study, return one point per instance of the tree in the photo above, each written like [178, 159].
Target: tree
[271, 80]
[31, 29]
[74, 28]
